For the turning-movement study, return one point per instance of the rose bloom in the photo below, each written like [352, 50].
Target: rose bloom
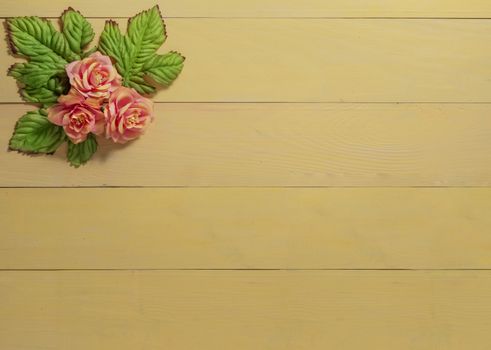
[94, 76]
[127, 115]
[78, 116]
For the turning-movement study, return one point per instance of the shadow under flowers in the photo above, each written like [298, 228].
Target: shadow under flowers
[105, 150]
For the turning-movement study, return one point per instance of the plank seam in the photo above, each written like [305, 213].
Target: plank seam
[292, 17]
[249, 269]
[300, 102]
[239, 187]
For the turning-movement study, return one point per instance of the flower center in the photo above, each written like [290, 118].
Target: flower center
[78, 119]
[132, 120]
[98, 77]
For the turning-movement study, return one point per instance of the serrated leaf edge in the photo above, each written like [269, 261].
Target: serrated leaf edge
[11, 149]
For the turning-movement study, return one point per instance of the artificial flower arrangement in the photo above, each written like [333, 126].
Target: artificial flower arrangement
[83, 93]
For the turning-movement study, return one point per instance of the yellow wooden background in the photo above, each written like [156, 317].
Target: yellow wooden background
[317, 178]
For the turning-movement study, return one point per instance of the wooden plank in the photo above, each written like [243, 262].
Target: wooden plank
[227, 228]
[256, 8]
[285, 60]
[278, 145]
[243, 310]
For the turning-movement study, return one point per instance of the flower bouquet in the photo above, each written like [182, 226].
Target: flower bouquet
[85, 93]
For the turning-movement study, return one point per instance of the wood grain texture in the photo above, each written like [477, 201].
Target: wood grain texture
[267, 51]
[278, 145]
[245, 310]
[227, 228]
[307, 60]
[256, 8]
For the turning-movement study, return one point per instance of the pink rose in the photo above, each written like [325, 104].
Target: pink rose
[77, 115]
[127, 115]
[94, 76]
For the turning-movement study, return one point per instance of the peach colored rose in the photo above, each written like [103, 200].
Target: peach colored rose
[77, 115]
[127, 115]
[94, 76]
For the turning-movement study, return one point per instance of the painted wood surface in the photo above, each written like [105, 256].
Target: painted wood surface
[258, 8]
[286, 248]
[244, 228]
[279, 145]
[321, 60]
[244, 310]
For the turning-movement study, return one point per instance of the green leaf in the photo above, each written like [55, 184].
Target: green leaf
[77, 30]
[146, 33]
[135, 52]
[34, 133]
[164, 69]
[111, 43]
[138, 83]
[80, 153]
[36, 74]
[43, 79]
[37, 40]
[48, 94]
[89, 52]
